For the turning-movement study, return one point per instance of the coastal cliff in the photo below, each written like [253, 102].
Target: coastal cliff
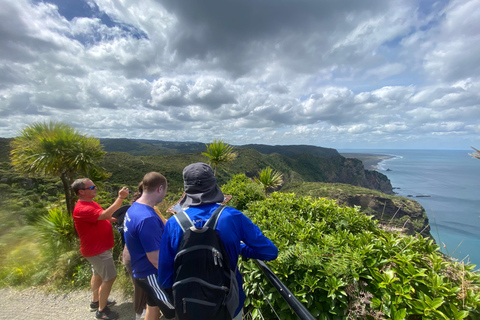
[394, 213]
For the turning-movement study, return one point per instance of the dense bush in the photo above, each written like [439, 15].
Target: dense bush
[341, 266]
[243, 191]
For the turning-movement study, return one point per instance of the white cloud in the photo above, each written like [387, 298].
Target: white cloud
[452, 57]
[339, 75]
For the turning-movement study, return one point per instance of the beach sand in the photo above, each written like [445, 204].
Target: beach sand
[370, 160]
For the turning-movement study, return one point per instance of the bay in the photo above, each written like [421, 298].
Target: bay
[446, 183]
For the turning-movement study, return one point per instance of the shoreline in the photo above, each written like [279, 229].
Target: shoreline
[370, 160]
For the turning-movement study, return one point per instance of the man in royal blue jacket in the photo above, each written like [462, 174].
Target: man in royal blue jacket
[237, 232]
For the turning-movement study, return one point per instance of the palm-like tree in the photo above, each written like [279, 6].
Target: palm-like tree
[219, 152]
[476, 154]
[57, 150]
[269, 179]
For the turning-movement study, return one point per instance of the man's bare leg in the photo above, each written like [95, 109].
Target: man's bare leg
[95, 283]
[152, 313]
[104, 292]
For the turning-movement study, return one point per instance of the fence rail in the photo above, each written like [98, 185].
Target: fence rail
[292, 301]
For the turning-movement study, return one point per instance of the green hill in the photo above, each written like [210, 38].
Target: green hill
[305, 167]
[142, 147]
[292, 150]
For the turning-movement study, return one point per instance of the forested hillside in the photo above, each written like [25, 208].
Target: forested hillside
[296, 163]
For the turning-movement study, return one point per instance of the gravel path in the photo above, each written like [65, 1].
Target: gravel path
[34, 304]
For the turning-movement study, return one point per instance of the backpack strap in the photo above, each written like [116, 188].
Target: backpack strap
[183, 220]
[213, 220]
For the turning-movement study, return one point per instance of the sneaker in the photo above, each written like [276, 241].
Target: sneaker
[139, 316]
[94, 305]
[106, 314]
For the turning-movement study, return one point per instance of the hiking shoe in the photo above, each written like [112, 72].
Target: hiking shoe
[140, 316]
[94, 305]
[106, 314]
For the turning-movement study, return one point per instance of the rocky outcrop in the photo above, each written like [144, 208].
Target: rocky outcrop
[343, 170]
[354, 170]
[395, 212]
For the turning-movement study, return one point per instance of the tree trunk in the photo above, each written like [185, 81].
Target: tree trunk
[68, 193]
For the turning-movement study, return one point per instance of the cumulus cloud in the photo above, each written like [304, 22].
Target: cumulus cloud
[338, 74]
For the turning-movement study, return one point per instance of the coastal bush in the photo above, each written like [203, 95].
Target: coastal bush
[340, 265]
[243, 191]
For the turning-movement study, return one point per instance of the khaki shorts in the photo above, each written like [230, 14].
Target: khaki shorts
[103, 265]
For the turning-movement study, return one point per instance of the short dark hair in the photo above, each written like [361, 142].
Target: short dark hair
[138, 193]
[78, 184]
[153, 180]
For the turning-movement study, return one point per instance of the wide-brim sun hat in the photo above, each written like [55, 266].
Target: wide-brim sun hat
[200, 186]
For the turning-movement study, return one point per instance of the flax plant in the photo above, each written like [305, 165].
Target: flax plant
[269, 179]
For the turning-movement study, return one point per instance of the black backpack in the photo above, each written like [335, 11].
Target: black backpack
[204, 288]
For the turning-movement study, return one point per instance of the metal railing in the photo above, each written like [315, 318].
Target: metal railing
[292, 301]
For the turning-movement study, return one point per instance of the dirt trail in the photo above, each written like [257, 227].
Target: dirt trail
[34, 304]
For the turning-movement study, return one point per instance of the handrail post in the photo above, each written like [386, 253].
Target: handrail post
[292, 301]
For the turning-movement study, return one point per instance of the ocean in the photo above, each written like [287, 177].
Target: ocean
[448, 183]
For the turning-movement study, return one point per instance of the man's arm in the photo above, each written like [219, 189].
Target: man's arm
[153, 257]
[107, 213]
[256, 245]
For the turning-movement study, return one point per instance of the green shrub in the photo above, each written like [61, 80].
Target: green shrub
[341, 266]
[243, 191]
[57, 232]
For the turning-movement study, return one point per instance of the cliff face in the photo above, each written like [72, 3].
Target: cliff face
[355, 171]
[341, 170]
[400, 213]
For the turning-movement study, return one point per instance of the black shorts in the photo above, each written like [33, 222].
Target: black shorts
[156, 296]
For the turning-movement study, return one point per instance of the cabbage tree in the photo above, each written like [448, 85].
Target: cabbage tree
[219, 152]
[57, 150]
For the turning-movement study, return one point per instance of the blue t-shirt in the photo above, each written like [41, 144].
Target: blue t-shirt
[233, 227]
[143, 231]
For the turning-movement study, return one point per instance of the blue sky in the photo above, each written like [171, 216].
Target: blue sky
[339, 74]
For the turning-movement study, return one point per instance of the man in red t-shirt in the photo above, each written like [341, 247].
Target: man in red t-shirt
[96, 239]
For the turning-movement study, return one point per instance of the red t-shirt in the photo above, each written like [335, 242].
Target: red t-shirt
[96, 236]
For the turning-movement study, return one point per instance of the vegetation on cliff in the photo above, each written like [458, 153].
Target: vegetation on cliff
[342, 265]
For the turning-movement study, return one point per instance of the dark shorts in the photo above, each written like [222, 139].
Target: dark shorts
[155, 295]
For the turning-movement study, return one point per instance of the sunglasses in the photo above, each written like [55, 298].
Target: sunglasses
[90, 188]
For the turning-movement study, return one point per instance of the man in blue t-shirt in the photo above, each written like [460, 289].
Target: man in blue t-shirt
[143, 232]
[238, 233]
